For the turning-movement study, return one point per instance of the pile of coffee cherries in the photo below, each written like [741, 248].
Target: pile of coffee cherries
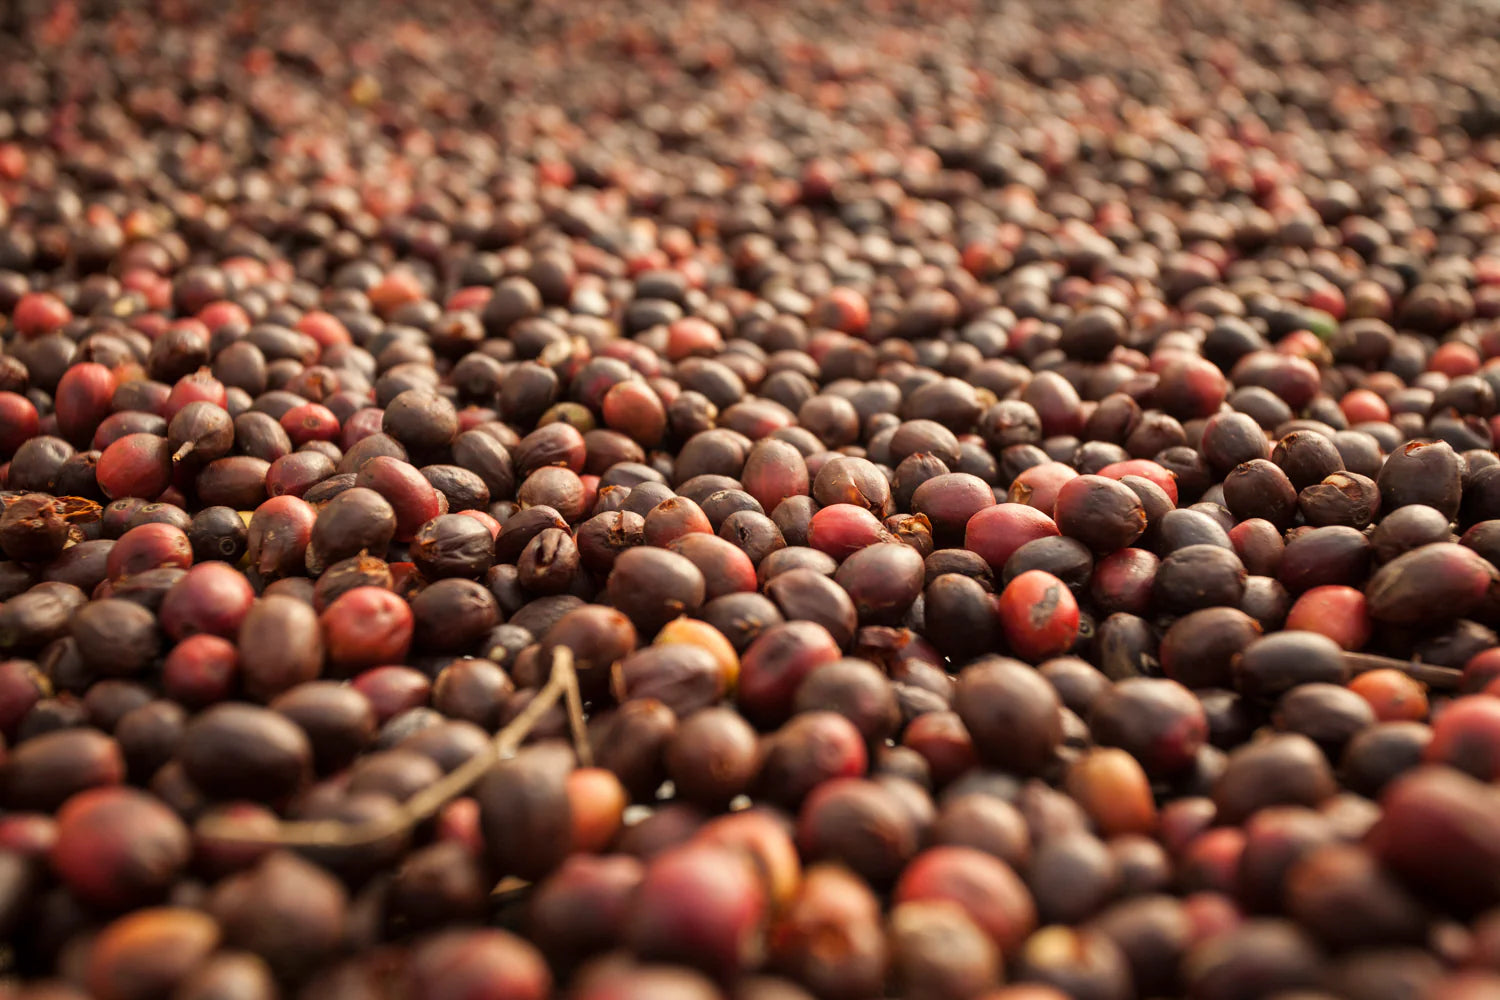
[865, 500]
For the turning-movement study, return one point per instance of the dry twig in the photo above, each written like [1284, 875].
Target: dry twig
[1437, 678]
[425, 804]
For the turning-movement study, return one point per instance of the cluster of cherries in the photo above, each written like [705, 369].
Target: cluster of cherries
[746, 501]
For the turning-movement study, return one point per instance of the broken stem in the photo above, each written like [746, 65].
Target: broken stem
[426, 803]
[576, 721]
[1437, 678]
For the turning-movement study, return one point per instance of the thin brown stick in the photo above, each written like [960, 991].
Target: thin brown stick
[427, 802]
[1437, 678]
[576, 721]
[510, 885]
